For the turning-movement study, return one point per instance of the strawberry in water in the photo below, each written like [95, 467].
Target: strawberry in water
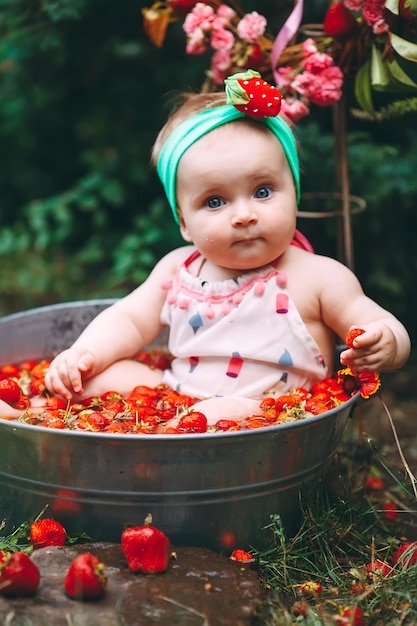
[193, 422]
[146, 548]
[251, 94]
[47, 532]
[9, 390]
[19, 575]
[86, 578]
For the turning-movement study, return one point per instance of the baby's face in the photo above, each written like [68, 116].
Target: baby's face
[236, 196]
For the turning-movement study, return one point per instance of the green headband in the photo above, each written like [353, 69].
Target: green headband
[198, 125]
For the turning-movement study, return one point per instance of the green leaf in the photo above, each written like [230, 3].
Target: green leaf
[363, 91]
[392, 5]
[380, 76]
[400, 76]
[404, 48]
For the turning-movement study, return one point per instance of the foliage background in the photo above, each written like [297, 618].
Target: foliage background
[82, 215]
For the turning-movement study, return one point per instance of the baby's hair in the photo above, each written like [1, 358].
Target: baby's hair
[186, 105]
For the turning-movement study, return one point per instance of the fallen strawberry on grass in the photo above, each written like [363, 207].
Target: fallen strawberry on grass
[147, 549]
[86, 578]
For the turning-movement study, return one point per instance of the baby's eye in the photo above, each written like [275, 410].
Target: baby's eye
[263, 192]
[214, 203]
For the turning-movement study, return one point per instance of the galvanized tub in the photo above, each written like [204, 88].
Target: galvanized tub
[213, 490]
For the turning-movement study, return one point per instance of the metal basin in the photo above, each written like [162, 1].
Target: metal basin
[213, 490]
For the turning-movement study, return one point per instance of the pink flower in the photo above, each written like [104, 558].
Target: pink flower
[304, 83]
[353, 5]
[226, 12]
[380, 27]
[200, 17]
[196, 43]
[286, 74]
[221, 62]
[317, 62]
[309, 47]
[294, 109]
[251, 27]
[221, 39]
[326, 89]
[373, 11]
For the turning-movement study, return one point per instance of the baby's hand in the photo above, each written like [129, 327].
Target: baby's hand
[66, 372]
[371, 348]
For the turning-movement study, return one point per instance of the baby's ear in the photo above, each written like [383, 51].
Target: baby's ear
[183, 228]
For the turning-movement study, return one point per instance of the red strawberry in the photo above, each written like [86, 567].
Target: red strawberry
[86, 578]
[378, 568]
[351, 616]
[310, 587]
[406, 555]
[19, 576]
[249, 93]
[47, 532]
[407, 9]
[351, 336]
[373, 483]
[146, 548]
[389, 511]
[242, 556]
[9, 390]
[193, 422]
[339, 21]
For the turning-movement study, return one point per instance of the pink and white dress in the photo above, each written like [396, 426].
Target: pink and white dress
[242, 337]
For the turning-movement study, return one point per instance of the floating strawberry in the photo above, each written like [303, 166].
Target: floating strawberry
[193, 422]
[241, 556]
[146, 548]
[339, 21]
[351, 336]
[47, 532]
[250, 94]
[9, 390]
[86, 578]
[406, 555]
[19, 575]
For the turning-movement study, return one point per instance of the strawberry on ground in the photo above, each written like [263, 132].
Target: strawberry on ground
[47, 532]
[86, 578]
[249, 93]
[241, 556]
[351, 616]
[19, 575]
[146, 548]
[405, 555]
[377, 569]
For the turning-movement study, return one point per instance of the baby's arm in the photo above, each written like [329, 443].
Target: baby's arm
[119, 332]
[385, 344]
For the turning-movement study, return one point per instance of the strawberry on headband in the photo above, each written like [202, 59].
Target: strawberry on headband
[247, 96]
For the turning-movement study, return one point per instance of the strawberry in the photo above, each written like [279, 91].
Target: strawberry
[47, 532]
[9, 390]
[351, 336]
[193, 422]
[351, 616]
[378, 568]
[250, 94]
[373, 483]
[406, 555]
[407, 9]
[19, 576]
[146, 548]
[86, 578]
[339, 21]
[310, 587]
[242, 556]
[389, 511]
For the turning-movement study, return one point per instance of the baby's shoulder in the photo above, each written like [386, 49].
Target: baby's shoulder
[313, 269]
[172, 261]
